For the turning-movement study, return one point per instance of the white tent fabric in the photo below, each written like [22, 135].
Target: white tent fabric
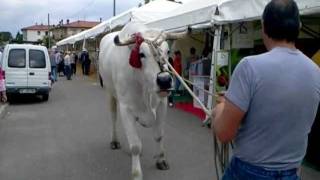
[151, 11]
[231, 11]
[172, 16]
[201, 13]
[193, 13]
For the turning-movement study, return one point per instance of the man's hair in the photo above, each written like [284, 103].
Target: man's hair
[281, 20]
[193, 50]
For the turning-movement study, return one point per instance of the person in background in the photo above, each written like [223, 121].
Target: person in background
[59, 62]
[74, 63]
[87, 64]
[271, 102]
[192, 58]
[84, 58]
[3, 95]
[67, 65]
[53, 66]
[177, 65]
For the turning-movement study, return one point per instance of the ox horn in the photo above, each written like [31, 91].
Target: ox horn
[127, 42]
[179, 35]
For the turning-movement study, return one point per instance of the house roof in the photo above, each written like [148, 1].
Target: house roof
[36, 27]
[81, 24]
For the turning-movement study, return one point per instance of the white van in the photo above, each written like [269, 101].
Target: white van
[27, 70]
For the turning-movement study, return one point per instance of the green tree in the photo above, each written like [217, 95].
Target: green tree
[5, 36]
[45, 41]
[19, 38]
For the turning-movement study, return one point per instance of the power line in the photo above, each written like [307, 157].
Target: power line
[86, 6]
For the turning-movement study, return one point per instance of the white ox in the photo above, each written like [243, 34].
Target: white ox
[138, 94]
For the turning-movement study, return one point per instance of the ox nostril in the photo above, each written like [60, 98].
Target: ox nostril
[164, 81]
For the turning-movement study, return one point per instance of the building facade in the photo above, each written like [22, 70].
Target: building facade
[35, 33]
[68, 29]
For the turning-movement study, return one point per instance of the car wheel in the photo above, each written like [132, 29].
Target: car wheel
[45, 97]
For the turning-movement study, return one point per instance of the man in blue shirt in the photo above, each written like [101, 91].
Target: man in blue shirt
[271, 102]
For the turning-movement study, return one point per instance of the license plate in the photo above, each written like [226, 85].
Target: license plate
[27, 91]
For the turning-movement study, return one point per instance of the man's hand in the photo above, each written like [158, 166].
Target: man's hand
[220, 99]
[226, 119]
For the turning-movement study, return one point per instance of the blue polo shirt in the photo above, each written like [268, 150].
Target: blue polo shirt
[280, 92]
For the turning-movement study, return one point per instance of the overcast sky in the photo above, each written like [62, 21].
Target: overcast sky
[16, 14]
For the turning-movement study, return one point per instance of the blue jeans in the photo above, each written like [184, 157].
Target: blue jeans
[67, 70]
[240, 170]
[54, 73]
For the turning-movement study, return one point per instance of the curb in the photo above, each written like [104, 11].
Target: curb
[3, 108]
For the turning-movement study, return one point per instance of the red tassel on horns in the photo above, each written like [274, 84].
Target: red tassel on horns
[134, 59]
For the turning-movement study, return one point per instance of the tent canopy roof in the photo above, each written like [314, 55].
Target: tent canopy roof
[171, 16]
[151, 11]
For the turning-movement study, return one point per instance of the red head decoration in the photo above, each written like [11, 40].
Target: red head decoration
[134, 59]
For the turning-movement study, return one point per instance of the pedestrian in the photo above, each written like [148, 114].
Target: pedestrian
[177, 65]
[74, 60]
[192, 58]
[3, 95]
[271, 102]
[87, 64]
[53, 66]
[84, 58]
[67, 65]
[59, 62]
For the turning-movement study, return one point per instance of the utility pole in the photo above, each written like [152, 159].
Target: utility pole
[49, 31]
[114, 7]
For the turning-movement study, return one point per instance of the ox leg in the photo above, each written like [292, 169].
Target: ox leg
[113, 111]
[128, 121]
[161, 162]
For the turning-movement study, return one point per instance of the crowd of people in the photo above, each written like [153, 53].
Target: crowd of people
[65, 63]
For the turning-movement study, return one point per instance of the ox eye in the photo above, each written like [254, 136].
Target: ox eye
[142, 55]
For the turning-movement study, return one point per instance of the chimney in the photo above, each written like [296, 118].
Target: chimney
[68, 21]
[100, 19]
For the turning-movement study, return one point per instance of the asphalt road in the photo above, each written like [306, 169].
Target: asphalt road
[67, 138]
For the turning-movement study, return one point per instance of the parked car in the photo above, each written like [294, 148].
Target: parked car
[27, 70]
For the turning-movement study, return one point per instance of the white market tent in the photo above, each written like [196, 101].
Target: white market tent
[231, 11]
[204, 13]
[168, 15]
[196, 13]
[149, 12]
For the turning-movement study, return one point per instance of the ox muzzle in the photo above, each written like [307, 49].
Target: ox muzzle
[164, 81]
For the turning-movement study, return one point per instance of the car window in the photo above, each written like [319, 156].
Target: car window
[17, 58]
[37, 59]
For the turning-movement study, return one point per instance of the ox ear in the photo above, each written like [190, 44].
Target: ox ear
[127, 42]
[179, 35]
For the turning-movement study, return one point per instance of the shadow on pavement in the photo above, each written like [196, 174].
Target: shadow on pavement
[25, 99]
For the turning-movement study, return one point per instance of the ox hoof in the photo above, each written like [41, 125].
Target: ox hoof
[115, 145]
[162, 165]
